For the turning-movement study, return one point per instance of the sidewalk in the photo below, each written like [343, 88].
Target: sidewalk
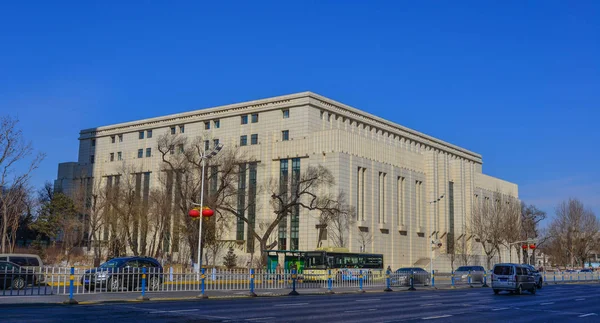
[96, 298]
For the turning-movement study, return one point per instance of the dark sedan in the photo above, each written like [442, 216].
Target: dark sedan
[14, 276]
[401, 277]
[124, 273]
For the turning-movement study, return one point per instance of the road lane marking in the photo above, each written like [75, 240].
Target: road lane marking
[500, 309]
[290, 304]
[431, 304]
[174, 311]
[357, 311]
[549, 303]
[580, 299]
[368, 300]
[436, 317]
[589, 314]
[260, 318]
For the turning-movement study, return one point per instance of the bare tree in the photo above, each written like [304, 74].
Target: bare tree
[573, 233]
[338, 221]
[531, 216]
[364, 239]
[490, 217]
[13, 150]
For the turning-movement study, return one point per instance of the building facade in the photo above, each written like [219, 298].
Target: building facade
[409, 189]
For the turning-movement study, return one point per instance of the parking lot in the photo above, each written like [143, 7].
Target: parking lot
[554, 303]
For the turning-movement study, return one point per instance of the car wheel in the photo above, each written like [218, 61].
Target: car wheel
[496, 292]
[18, 283]
[89, 287]
[153, 283]
[541, 283]
[533, 290]
[519, 290]
[113, 284]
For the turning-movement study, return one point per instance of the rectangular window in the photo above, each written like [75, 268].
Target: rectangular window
[112, 139]
[149, 134]
[207, 125]
[172, 149]
[206, 145]
[400, 205]
[93, 142]
[285, 135]
[119, 156]
[148, 152]
[180, 148]
[283, 189]
[181, 129]
[254, 139]
[254, 117]
[140, 153]
[217, 124]
[243, 140]
[382, 197]
[112, 156]
[141, 135]
[450, 242]
[245, 119]
[92, 159]
[215, 142]
[251, 205]
[120, 138]
[241, 201]
[295, 220]
[360, 193]
[286, 113]
[172, 130]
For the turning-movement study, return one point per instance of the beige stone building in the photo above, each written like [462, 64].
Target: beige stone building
[409, 189]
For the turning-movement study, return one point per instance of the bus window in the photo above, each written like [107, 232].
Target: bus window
[314, 260]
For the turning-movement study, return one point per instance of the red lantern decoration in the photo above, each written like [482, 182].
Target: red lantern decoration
[207, 212]
[532, 246]
[194, 213]
[524, 246]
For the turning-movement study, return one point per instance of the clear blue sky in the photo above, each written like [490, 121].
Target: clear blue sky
[516, 81]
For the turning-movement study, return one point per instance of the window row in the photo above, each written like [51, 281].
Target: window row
[254, 116]
[285, 136]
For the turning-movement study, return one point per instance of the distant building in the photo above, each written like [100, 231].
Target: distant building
[409, 189]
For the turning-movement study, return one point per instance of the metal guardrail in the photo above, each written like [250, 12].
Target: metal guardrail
[78, 281]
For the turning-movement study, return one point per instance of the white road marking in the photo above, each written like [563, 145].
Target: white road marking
[589, 314]
[436, 317]
[580, 299]
[549, 303]
[368, 300]
[431, 304]
[428, 296]
[290, 304]
[500, 309]
[260, 318]
[357, 311]
[175, 311]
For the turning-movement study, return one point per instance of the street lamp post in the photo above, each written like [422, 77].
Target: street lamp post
[434, 243]
[203, 156]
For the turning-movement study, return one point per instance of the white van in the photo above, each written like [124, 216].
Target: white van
[33, 262]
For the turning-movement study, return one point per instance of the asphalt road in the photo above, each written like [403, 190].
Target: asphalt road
[560, 303]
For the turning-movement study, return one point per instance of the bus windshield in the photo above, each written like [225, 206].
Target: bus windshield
[314, 260]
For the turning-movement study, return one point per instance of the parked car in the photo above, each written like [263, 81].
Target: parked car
[14, 276]
[124, 273]
[401, 277]
[514, 278]
[462, 274]
[586, 270]
[539, 280]
[28, 261]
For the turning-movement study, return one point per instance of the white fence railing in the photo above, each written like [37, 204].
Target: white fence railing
[63, 281]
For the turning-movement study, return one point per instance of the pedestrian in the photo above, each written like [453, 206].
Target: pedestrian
[389, 269]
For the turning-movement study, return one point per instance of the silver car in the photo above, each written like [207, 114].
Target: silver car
[462, 274]
[514, 278]
[539, 280]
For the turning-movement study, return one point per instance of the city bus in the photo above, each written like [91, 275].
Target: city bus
[344, 265]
